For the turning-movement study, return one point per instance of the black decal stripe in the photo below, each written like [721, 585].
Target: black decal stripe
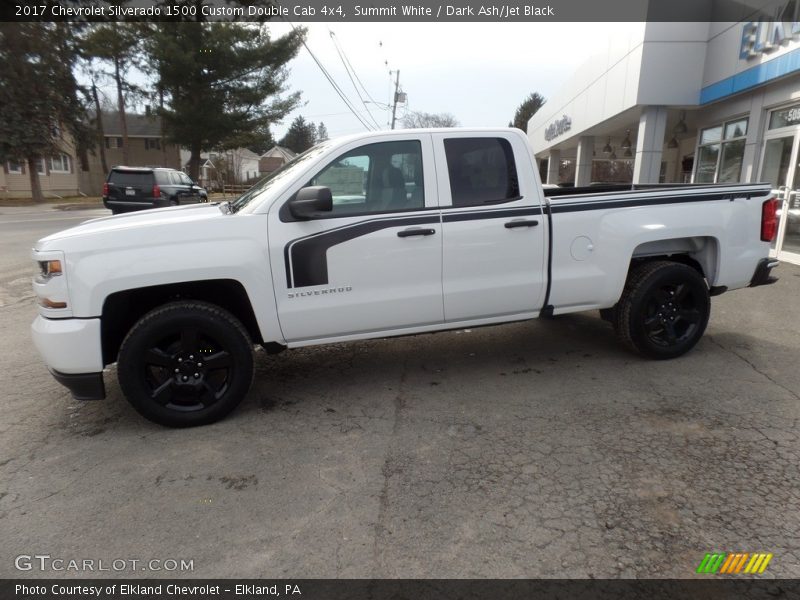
[556, 207]
[453, 217]
[549, 213]
[649, 190]
[305, 258]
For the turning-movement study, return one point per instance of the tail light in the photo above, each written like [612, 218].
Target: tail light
[769, 220]
[156, 191]
[105, 189]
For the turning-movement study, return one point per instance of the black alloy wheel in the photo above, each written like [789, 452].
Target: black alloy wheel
[664, 309]
[186, 363]
[672, 314]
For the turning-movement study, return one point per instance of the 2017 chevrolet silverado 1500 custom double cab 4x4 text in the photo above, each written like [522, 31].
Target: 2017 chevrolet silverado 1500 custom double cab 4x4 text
[376, 235]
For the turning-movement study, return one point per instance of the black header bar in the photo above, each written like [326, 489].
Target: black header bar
[393, 11]
[717, 587]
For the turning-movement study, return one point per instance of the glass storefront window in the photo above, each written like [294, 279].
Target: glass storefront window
[612, 171]
[730, 166]
[777, 154]
[706, 163]
[712, 134]
[785, 117]
[721, 152]
[736, 129]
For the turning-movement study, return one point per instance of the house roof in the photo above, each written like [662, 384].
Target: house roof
[138, 125]
[279, 152]
[245, 153]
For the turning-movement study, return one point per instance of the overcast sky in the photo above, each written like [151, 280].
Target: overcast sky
[478, 72]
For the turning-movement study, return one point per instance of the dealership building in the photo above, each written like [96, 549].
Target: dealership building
[684, 103]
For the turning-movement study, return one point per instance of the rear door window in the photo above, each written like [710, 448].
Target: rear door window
[131, 179]
[481, 170]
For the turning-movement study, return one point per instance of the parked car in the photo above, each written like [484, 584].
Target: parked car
[138, 188]
[442, 229]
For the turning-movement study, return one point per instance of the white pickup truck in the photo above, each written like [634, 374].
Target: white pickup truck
[375, 235]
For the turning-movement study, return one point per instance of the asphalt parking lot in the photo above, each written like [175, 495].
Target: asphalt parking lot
[538, 449]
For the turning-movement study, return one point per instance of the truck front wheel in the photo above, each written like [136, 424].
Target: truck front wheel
[664, 309]
[186, 363]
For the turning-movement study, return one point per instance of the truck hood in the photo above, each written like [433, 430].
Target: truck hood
[160, 221]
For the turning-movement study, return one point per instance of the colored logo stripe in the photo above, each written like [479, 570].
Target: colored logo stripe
[734, 563]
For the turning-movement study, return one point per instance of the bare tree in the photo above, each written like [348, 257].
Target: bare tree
[421, 120]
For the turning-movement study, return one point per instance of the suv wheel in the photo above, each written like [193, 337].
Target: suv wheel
[186, 363]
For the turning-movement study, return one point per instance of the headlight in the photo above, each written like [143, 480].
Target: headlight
[50, 284]
[49, 268]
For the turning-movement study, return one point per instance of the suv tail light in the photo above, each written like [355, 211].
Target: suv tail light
[156, 191]
[769, 220]
[105, 189]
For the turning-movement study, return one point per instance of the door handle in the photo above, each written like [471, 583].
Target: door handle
[520, 223]
[417, 231]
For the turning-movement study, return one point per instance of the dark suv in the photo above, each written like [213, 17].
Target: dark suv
[137, 188]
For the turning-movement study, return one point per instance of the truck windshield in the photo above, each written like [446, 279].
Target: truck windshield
[279, 175]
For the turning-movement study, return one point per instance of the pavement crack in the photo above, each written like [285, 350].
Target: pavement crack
[387, 470]
[754, 367]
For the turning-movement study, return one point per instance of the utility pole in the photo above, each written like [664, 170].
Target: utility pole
[396, 96]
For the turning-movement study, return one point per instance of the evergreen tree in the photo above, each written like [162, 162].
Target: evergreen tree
[223, 82]
[322, 132]
[117, 44]
[300, 136]
[260, 141]
[40, 98]
[526, 110]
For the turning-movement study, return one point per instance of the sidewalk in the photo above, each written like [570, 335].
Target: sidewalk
[79, 203]
[45, 207]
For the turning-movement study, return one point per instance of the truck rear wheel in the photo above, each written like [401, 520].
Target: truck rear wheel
[664, 309]
[186, 363]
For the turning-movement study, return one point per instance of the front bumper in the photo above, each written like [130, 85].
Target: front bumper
[72, 350]
[762, 276]
[84, 386]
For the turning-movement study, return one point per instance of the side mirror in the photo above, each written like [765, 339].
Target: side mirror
[309, 202]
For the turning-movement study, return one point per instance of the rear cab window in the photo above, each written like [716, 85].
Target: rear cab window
[481, 171]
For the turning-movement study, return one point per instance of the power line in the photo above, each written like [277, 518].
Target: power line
[351, 73]
[335, 86]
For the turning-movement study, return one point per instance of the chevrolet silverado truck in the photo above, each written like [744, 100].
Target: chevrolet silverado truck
[375, 235]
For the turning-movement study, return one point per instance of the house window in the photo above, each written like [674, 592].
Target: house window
[14, 167]
[60, 164]
[152, 144]
[40, 167]
[113, 142]
[720, 153]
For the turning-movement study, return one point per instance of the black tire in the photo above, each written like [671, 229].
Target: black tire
[186, 363]
[664, 309]
[174, 202]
